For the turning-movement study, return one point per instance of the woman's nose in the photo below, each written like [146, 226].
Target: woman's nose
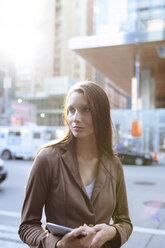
[77, 116]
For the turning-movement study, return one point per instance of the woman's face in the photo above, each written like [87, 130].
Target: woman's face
[79, 115]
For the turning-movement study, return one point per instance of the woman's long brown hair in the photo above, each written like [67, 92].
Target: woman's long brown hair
[100, 111]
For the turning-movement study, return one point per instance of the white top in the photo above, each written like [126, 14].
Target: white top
[89, 188]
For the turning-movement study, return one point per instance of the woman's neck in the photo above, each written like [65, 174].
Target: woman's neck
[86, 147]
[87, 157]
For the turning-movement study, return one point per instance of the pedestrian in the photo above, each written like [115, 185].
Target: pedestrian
[79, 180]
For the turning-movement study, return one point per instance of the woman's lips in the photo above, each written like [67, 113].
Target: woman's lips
[77, 128]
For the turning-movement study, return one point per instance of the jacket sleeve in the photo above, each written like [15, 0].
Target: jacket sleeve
[31, 231]
[120, 217]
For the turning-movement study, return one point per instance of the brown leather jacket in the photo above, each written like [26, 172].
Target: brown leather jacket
[55, 183]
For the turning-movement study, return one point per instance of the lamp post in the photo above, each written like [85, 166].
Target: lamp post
[137, 120]
[137, 69]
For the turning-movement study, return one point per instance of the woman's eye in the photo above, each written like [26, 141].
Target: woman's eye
[86, 109]
[71, 110]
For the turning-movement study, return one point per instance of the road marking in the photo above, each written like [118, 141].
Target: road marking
[11, 214]
[18, 215]
[12, 236]
[148, 230]
[9, 233]
[9, 229]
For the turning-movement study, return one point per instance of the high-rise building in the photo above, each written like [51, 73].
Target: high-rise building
[72, 18]
[145, 15]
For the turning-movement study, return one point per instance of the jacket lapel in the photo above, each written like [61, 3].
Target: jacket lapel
[70, 160]
[100, 179]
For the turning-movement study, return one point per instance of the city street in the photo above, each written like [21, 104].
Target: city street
[146, 197]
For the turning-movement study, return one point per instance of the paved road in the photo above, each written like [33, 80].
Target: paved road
[146, 197]
[11, 198]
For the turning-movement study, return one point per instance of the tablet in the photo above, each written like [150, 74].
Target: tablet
[61, 230]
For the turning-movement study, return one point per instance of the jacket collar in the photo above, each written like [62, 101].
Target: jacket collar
[70, 160]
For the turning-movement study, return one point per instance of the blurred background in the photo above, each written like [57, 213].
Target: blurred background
[47, 46]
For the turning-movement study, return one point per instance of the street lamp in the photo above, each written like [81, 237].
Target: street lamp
[19, 100]
[42, 115]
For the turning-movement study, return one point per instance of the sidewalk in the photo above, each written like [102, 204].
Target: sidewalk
[161, 158]
[11, 244]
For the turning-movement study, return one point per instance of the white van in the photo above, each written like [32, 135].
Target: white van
[24, 141]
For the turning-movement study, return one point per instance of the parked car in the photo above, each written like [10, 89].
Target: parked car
[3, 171]
[128, 156]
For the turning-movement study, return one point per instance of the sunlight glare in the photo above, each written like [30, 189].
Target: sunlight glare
[18, 30]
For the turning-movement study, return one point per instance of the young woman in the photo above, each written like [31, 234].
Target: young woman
[79, 180]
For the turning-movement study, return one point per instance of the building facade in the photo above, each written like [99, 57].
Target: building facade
[107, 20]
[50, 102]
[72, 18]
[129, 49]
[129, 44]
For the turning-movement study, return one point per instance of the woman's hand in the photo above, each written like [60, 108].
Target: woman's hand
[103, 234]
[71, 240]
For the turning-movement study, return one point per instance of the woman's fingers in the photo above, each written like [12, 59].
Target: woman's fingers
[73, 240]
[97, 241]
[98, 227]
[77, 232]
